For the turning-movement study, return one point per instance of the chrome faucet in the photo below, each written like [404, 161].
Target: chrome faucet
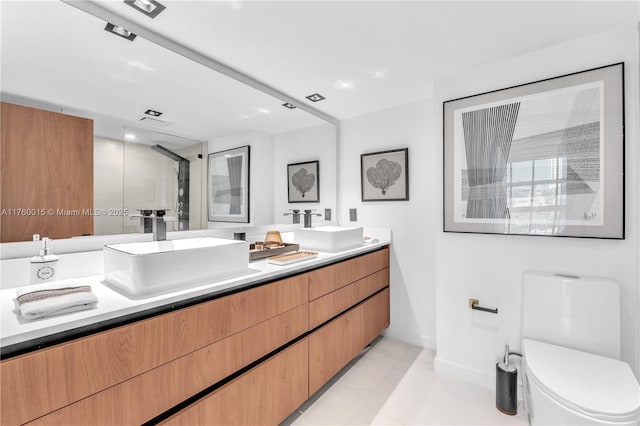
[159, 225]
[307, 217]
[295, 214]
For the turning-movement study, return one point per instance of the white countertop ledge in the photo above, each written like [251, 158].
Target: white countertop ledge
[113, 304]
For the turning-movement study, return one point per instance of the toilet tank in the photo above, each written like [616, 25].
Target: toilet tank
[582, 313]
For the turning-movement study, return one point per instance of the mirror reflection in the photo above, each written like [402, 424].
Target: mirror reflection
[153, 112]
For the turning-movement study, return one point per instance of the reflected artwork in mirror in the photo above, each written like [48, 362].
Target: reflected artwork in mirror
[304, 182]
[228, 193]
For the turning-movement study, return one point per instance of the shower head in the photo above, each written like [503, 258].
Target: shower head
[168, 153]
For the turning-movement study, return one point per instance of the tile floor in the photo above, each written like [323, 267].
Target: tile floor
[393, 383]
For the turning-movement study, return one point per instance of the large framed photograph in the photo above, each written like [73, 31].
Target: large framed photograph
[542, 158]
[228, 192]
[304, 182]
[384, 176]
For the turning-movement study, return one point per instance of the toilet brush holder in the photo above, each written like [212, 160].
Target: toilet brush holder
[506, 386]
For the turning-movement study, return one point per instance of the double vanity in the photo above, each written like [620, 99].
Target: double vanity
[245, 348]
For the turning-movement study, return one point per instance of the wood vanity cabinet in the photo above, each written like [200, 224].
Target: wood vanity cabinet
[265, 395]
[335, 344]
[281, 345]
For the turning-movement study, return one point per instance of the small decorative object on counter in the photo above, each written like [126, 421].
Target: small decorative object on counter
[256, 253]
[44, 266]
[273, 236]
[294, 257]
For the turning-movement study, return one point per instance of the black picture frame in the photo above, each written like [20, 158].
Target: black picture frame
[544, 158]
[228, 194]
[384, 175]
[303, 182]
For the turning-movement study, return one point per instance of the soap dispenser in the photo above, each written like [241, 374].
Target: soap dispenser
[45, 265]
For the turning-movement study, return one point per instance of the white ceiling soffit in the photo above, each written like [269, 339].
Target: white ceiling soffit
[365, 56]
[58, 56]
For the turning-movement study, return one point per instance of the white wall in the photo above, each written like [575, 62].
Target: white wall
[310, 144]
[412, 222]
[108, 161]
[433, 274]
[261, 174]
[490, 267]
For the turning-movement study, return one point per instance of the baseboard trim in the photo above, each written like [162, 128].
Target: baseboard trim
[463, 373]
[411, 338]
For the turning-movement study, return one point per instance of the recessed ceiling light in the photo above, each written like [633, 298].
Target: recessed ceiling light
[343, 85]
[288, 105]
[263, 111]
[119, 31]
[130, 136]
[151, 8]
[315, 97]
[153, 113]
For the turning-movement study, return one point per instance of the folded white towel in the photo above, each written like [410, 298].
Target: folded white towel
[52, 285]
[56, 298]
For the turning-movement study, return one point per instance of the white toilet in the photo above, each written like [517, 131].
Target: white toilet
[571, 351]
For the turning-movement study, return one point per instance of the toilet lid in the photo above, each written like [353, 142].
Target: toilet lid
[595, 385]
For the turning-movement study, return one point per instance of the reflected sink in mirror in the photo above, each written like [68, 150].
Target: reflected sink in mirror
[329, 238]
[149, 267]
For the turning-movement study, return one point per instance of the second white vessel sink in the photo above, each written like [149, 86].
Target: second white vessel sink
[148, 267]
[328, 238]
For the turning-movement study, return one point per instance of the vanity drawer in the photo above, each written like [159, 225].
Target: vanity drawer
[168, 385]
[265, 395]
[330, 305]
[325, 280]
[333, 345]
[52, 378]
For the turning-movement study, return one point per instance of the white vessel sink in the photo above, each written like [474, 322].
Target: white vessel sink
[143, 268]
[328, 238]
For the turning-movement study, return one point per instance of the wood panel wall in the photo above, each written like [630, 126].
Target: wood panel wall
[47, 174]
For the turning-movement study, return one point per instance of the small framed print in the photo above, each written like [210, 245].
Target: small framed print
[304, 182]
[228, 179]
[384, 175]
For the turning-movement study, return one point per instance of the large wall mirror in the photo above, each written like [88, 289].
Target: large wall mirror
[58, 58]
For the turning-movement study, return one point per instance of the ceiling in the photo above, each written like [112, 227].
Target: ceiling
[57, 57]
[388, 51]
[363, 56]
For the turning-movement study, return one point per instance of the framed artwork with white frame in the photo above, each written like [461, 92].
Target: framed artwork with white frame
[228, 180]
[543, 158]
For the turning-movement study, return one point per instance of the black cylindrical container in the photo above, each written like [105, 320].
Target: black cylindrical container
[506, 388]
